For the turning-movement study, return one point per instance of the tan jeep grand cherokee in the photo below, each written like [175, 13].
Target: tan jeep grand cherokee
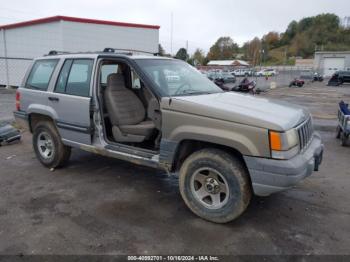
[163, 113]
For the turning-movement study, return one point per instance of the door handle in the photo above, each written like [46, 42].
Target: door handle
[51, 98]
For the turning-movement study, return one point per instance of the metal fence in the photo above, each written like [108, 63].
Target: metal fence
[12, 70]
[284, 76]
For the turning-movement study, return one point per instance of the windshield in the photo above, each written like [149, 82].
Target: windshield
[176, 78]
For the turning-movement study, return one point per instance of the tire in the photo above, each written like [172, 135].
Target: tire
[231, 176]
[45, 140]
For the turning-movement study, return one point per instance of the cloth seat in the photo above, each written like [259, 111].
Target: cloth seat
[126, 112]
[143, 129]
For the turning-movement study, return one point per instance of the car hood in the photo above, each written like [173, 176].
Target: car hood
[240, 108]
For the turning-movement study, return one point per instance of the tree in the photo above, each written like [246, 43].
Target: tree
[161, 50]
[182, 54]
[224, 48]
[290, 32]
[271, 40]
[252, 51]
[302, 38]
[198, 57]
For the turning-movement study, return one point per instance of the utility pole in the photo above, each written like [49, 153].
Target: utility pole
[187, 47]
[262, 51]
[171, 34]
[285, 56]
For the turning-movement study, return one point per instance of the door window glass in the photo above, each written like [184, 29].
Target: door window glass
[79, 77]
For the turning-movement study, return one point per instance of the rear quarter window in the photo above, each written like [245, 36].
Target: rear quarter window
[40, 74]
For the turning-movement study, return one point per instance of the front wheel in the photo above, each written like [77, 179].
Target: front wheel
[48, 146]
[215, 185]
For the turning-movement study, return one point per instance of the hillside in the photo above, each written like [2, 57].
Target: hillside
[301, 38]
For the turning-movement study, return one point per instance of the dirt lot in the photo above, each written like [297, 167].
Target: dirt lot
[99, 205]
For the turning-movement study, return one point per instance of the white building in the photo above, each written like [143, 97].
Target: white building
[328, 63]
[228, 63]
[21, 42]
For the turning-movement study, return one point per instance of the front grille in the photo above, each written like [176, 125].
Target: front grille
[305, 132]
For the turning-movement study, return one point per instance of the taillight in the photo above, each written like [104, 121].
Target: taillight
[18, 102]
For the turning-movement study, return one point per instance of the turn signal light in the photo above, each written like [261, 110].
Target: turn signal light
[275, 141]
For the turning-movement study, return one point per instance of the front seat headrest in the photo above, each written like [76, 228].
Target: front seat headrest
[116, 81]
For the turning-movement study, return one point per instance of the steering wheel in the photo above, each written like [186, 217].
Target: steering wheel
[181, 87]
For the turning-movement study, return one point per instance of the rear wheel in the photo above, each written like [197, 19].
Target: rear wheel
[215, 185]
[48, 146]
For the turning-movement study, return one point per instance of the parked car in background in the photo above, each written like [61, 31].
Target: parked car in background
[339, 78]
[243, 72]
[266, 72]
[225, 77]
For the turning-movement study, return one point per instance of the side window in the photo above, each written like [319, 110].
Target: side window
[136, 82]
[40, 75]
[63, 77]
[106, 70]
[79, 77]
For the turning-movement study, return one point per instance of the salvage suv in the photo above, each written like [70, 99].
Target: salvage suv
[224, 146]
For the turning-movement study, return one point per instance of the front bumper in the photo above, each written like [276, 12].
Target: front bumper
[269, 175]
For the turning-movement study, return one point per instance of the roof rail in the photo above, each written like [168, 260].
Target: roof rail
[126, 51]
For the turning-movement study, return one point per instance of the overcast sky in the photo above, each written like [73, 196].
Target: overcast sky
[198, 22]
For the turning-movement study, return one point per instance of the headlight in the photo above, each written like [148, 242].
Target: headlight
[284, 145]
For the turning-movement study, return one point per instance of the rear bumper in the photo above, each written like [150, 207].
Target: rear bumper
[269, 175]
[21, 119]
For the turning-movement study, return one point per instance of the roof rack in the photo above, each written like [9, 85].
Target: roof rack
[56, 52]
[126, 51]
[123, 51]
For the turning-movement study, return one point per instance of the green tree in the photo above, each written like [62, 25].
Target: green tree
[302, 38]
[224, 48]
[161, 50]
[198, 57]
[291, 31]
[182, 54]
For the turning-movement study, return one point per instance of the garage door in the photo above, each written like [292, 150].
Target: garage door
[333, 64]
